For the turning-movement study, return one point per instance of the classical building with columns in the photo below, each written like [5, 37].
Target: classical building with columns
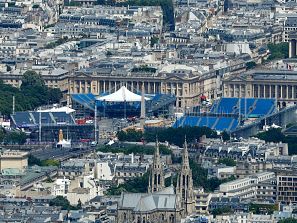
[279, 84]
[292, 39]
[185, 82]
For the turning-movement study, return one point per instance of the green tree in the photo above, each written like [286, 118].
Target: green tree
[288, 220]
[135, 185]
[62, 202]
[278, 51]
[15, 137]
[272, 135]
[79, 204]
[154, 40]
[54, 95]
[50, 162]
[222, 210]
[263, 208]
[227, 161]
[135, 149]
[199, 176]
[192, 133]
[250, 65]
[32, 160]
[130, 135]
[8, 68]
[32, 79]
[225, 136]
[2, 134]
[32, 93]
[108, 53]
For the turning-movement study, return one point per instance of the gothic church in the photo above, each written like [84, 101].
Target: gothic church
[160, 204]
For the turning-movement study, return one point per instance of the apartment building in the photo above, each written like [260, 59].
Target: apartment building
[287, 187]
[258, 185]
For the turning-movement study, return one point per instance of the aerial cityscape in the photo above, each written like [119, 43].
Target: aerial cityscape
[148, 111]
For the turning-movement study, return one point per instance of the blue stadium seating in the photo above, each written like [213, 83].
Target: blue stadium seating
[178, 122]
[253, 106]
[214, 106]
[226, 106]
[25, 119]
[246, 104]
[223, 123]
[207, 121]
[191, 121]
[86, 100]
[22, 118]
[61, 117]
[234, 125]
[45, 117]
[263, 107]
[250, 106]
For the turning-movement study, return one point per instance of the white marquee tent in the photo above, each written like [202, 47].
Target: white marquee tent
[122, 95]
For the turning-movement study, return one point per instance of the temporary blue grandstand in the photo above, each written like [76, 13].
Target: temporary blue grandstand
[33, 118]
[225, 113]
[217, 123]
[86, 100]
[249, 107]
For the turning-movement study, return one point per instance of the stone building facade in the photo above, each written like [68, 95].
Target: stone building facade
[263, 84]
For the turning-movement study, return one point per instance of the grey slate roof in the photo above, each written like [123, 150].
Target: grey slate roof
[142, 202]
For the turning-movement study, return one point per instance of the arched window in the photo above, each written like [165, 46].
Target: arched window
[143, 220]
[171, 218]
[125, 217]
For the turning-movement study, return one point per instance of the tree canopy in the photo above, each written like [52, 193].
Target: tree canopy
[263, 208]
[32, 160]
[250, 65]
[288, 220]
[135, 185]
[32, 93]
[278, 51]
[12, 137]
[272, 135]
[221, 210]
[192, 133]
[62, 202]
[15, 137]
[128, 149]
[276, 135]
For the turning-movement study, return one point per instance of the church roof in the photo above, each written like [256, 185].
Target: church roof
[141, 202]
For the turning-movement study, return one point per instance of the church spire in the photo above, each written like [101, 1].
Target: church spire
[185, 182]
[157, 181]
[185, 159]
[157, 152]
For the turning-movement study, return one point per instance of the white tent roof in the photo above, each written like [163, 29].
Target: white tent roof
[59, 109]
[122, 95]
